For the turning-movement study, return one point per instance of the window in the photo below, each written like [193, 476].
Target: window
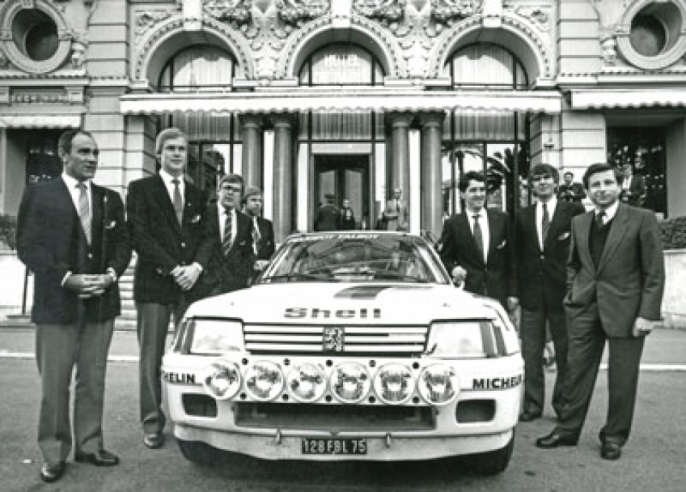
[35, 34]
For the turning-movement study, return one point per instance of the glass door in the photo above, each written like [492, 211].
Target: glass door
[345, 177]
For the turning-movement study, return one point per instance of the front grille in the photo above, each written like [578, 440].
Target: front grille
[335, 417]
[355, 339]
[199, 405]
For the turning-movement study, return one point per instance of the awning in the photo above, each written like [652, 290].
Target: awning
[40, 121]
[628, 98]
[335, 100]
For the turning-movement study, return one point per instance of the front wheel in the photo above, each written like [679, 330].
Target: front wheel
[491, 462]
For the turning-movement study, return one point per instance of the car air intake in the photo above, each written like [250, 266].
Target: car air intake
[472, 411]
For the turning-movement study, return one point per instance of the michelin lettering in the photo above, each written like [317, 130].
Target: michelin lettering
[497, 383]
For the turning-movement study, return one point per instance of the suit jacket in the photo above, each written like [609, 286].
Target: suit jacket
[542, 273]
[51, 242]
[571, 193]
[327, 218]
[265, 249]
[226, 274]
[637, 192]
[160, 242]
[497, 278]
[629, 279]
[346, 219]
[396, 215]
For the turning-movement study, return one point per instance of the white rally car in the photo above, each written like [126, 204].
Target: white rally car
[350, 346]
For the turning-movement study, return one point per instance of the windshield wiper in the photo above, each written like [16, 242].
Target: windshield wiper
[398, 276]
[294, 276]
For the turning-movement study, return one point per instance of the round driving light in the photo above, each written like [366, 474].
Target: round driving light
[394, 384]
[438, 384]
[264, 380]
[350, 382]
[306, 383]
[222, 380]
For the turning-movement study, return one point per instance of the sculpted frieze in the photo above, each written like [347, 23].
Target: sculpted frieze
[387, 12]
[447, 12]
[146, 20]
[235, 12]
[298, 12]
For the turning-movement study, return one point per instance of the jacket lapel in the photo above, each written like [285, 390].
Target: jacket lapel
[65, 195]
[530, 224]
[492, 228]
[98, 197]
[190, 198]
[617, 230]
[558, 218]
[583, 244]
[467, 232]
[165, 203]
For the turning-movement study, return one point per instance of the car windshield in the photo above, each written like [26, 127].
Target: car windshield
[355, 257]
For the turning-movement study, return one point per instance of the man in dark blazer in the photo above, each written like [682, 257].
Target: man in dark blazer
[230, 233]
[569, 191]
[166, 220]
[71, 234]
[633, 188]
[476, 245]
[615, 282]
[327, 215]
[542, 237]
[263, 230]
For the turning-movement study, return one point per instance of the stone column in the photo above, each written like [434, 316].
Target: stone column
[283, 176]
[251, 132]
[432, 198]
[400, 154]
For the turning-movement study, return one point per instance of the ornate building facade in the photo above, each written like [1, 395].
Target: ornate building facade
[349, 97]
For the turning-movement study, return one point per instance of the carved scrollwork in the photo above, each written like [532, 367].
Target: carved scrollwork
[297, 12]
[446, 12]
[146, 20]
[388, 12]
[538, 16]
[234, 12]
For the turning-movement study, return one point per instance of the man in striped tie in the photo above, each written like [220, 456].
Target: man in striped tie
[263, 230]
[72, 235]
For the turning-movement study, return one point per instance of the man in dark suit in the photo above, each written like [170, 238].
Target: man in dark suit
[327, 215]
[615, 282]
[569, 191]
[633, 188]
[71, 234]
[396, 216]
[542, 236]
[230, 233]
[476, 246]
[262, 229]
[346, 217]
[166, 220]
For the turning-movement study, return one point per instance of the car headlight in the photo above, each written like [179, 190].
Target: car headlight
[264, 380]
[215, 336]
[306, 383]
[222, 380]
[394, 384]
[459, 339]
[350, 382]
[438, 384]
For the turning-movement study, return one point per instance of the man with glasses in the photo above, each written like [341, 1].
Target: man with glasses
[542, 236]
[166, 218]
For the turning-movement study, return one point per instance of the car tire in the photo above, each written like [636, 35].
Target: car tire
[492, 462]
[199, 452]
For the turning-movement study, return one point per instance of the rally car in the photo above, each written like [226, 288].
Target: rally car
[349, 346]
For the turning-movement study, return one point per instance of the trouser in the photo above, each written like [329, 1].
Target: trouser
[586, 344]
[58, 348]
[533, 334]
[153, 324]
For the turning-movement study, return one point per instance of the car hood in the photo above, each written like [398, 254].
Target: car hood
[349, 303]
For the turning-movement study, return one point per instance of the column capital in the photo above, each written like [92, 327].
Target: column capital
[433, 119]
[283, 120]
[251, 120]
[400, 120]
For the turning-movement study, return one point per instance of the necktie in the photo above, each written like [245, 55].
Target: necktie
[227, 240]
[478, 237]
[545, 223]
[84, 211]
[256, 237]
[600, 218]
[178, 201]
[397, 206]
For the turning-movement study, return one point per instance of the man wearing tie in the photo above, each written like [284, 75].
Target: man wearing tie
[72, 235]
[166, 220]
[542, 236]
[633, 188]
[476, 245]
[615, 283]
[395, 216]
[230, 232]
[263, 230]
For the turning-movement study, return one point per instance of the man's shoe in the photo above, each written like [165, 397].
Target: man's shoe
[555, 440]
[99, 458]
[154, 440]
[52, 472]
[611, 451]
[528, 416]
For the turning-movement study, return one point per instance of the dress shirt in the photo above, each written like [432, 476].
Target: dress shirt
[167, 179]
[483, 223]
[552, 205]
[76, 192]
[222, 219]
[609, 212]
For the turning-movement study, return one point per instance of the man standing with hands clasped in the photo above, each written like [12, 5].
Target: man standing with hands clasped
[262, 229]
[71, 234]
[166, 219]
[615, 282]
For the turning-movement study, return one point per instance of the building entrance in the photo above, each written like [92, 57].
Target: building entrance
[344, 177]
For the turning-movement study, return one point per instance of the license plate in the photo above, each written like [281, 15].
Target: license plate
[334, 446]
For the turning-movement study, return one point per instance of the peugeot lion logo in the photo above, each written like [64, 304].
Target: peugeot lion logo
[333, 339]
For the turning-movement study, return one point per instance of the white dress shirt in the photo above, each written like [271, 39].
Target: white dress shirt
[609, 212]
[485, 231]
[167, 179]
[552, 205]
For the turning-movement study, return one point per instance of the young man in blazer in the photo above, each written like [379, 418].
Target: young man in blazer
[633, 188]
[230, 234]
[476, 245]
[542, 237]
[166, 220]
[71, 234]
[263, 230]
[615, 283]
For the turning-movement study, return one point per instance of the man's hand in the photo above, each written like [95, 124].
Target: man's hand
[260, 265]
[459, 275]
[186, 276]
[85, 285]
[643, 327]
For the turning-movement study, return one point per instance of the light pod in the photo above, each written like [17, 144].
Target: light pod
[350, 382]
[438, 384]
[222, 380]
[306, 383]
[264, 381]
[394, 384]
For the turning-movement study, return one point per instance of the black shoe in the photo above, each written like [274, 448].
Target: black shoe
[528, 416]
[154, 440]
[52, 472]
[610, 451]
[99, 458]
[555, 440]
